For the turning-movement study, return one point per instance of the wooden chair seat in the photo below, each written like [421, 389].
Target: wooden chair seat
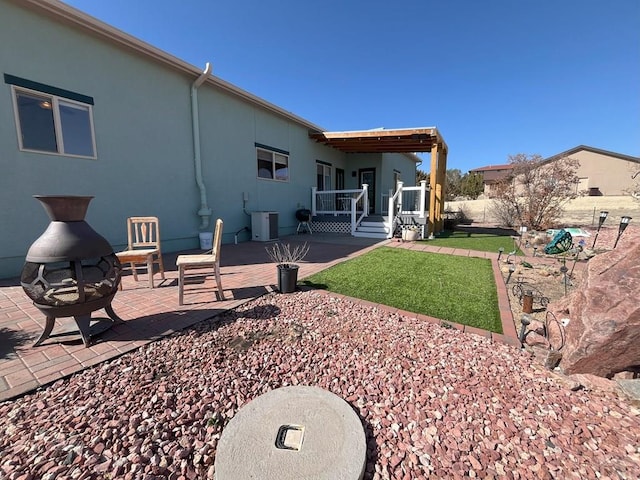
[138, 256]
[200, 260]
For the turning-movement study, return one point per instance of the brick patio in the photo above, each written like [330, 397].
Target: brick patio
[150, 314]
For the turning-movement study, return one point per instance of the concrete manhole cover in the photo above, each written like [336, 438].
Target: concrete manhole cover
[302, 433]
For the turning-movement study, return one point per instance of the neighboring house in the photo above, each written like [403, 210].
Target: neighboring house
[89, 110]
[491, 174]
[601, 172]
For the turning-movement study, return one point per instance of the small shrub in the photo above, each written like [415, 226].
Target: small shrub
[504, 213]
[285, 254]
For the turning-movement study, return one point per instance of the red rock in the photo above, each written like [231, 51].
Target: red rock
[603, 336]
[593, 382]
[475, 464]
[394, 461]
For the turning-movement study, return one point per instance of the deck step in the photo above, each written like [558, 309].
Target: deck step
[371, 229]
[370, 235]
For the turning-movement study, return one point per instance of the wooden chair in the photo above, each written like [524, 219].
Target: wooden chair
[208, 260]
[143, 249]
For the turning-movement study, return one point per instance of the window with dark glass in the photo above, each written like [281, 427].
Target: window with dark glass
[272, 165]
[53, 124]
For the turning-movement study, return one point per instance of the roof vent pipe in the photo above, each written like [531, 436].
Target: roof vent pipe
[204, 212]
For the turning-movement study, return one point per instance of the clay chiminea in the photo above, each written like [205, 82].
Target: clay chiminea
[70, 270]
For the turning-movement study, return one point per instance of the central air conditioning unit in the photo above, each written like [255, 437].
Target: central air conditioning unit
[264, 226]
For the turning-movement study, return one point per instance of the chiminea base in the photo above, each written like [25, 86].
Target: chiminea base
[82, 317]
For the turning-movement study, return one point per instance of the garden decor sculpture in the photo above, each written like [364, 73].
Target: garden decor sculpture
[560, 243]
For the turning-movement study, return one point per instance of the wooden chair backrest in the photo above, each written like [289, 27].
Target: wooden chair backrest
[217, 239]
[143, 232]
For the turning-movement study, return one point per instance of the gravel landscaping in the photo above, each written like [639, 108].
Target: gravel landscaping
[435, 402]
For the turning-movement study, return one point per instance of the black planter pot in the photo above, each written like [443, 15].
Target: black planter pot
[287, 278]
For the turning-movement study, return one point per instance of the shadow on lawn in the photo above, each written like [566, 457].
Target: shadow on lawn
[470, 230]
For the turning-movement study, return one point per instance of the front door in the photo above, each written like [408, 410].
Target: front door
[368, 176]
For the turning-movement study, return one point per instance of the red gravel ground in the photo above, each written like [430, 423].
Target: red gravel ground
[435, 402]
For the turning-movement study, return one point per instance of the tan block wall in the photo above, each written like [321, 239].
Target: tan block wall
[582, 211]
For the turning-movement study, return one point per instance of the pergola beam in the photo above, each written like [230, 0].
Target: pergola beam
[406, 140]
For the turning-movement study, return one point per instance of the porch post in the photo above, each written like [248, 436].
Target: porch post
[433, 179]
[313, 201]
[391, 212]
[423, 196]
[353, 216]
[442, 168]
[365, 200]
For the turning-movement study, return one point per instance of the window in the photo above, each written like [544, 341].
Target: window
[51, 124]
[273, 165]
[52, 120]
[323, 176]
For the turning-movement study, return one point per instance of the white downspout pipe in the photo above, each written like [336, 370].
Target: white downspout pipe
[205, 212]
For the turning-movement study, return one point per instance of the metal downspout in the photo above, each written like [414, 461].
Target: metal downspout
[205, 212]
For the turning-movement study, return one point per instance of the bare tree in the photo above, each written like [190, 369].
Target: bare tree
[535, 192]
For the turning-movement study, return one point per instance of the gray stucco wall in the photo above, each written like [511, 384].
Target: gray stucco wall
[144, 145]
[143, 137]
[144, 165]
[401, 163]
[230, 129]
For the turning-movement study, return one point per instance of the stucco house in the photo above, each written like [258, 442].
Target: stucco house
[601, 172]
[491, 174]
[87, 109]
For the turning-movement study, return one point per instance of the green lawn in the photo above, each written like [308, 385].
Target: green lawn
[448, 287]
[482, 242]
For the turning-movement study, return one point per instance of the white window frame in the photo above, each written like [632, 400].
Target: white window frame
[55, 102]
[277, 158]
[327, 175]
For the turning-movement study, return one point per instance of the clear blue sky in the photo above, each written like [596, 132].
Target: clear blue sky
[496, 77]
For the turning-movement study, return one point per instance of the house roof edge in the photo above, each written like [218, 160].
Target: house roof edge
[593, 150]
[71, 15]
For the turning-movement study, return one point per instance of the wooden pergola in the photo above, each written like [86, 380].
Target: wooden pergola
[405, 140]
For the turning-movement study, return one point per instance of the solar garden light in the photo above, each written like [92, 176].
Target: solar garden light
[512, 268]
[575, 259]
[525, 321]
[601, 219]
[500, 250]
[563, 270]
[624, 222]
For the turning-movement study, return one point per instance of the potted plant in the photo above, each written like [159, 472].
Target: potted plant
[410, 232]
[286, 257]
